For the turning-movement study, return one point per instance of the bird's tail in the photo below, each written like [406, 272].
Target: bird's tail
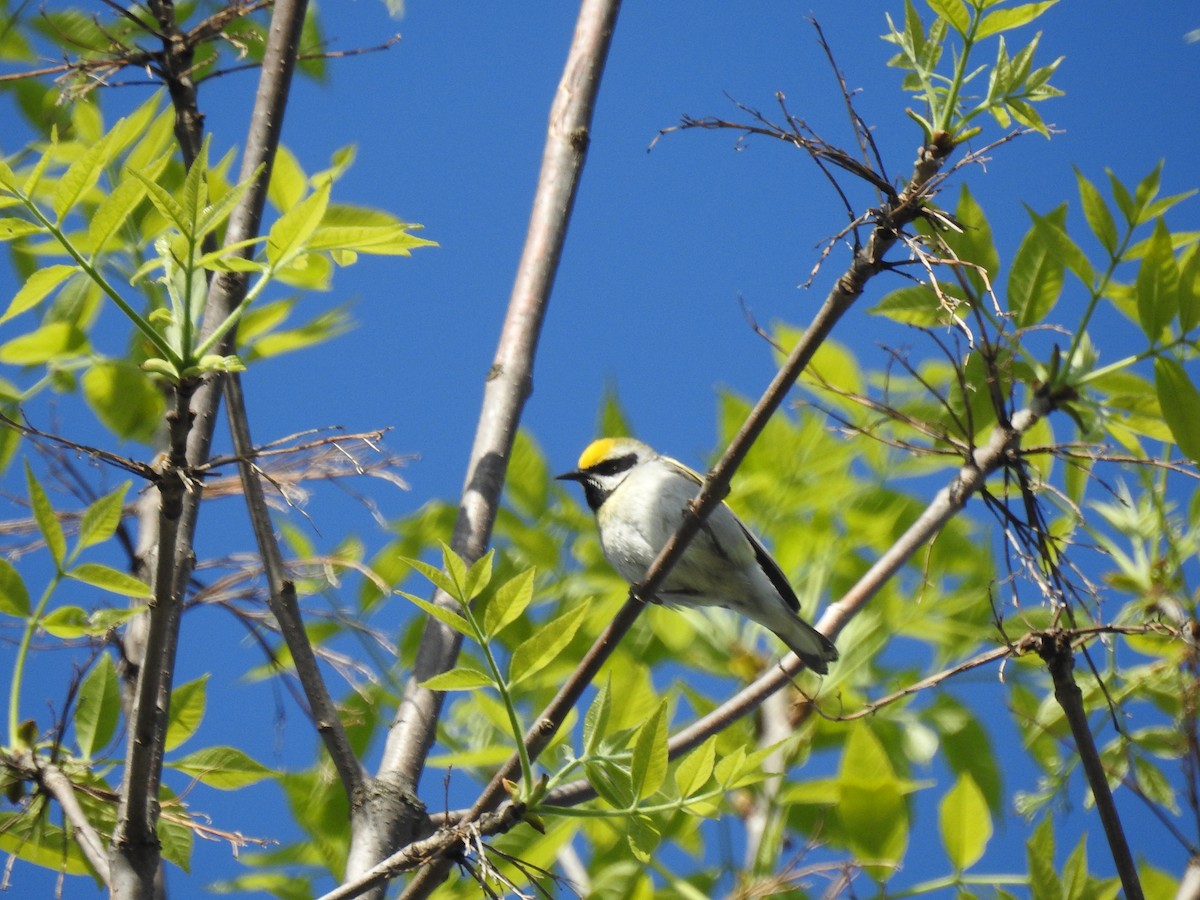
[806, 642]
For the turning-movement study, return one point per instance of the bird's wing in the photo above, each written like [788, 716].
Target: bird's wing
[771, 568]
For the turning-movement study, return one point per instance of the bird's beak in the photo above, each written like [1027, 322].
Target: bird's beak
[570, 476]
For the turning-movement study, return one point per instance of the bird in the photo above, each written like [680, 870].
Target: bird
[640, 497]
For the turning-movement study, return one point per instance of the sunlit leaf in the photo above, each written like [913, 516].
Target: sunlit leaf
[98, 708]
[1010, 17]
[101, 518]
[50, 341]
[46, 518]
[965, 822]
[223, 768]
[648, 767]
[109, 579]
[1180, 403]
[14, 596]
[462, 678]
[508, 603]
[36, 288]
[696, 768]
[188, 704]
[1158, 284]
[1096, 211]
[1035, 279]
[446, 616]
[548, 640]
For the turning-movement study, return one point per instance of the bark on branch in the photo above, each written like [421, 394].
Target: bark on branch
[508, 385]
[1059, 656]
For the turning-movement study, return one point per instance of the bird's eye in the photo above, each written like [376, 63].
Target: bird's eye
[615, 465]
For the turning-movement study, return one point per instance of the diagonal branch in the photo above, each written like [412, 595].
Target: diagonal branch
[281, 596]
[1059, 655]
[867, 262]
[59, 786]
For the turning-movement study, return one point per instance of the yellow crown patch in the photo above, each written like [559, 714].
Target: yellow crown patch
[595, 452]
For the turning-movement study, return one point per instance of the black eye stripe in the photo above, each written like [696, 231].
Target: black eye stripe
[614, 465]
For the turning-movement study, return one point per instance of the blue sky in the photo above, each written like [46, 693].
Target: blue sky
[449, 126]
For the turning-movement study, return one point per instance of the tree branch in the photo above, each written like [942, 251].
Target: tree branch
[135, 851]
[281, 596]
[59, 786]
[1056, 650]
[509, 383]
[867, 262]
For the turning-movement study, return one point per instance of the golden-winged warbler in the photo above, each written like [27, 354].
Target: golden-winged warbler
[640, 498]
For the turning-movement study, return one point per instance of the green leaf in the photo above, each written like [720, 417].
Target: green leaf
[461, 678]
[643, 837]
[915, 304]
[610, 781]
[47, 520]
[1157, 284]
[289, 234]
[223, 768]
[98, 709]
[953, 11]
[696, 768]
[1189, 290]
[648, 768]
[1122, 196]
[113, 211]
[110, 579]
[1180, 404]
[31, 839]
[14, 596]
[36, 288]
[1075, 872]
[188, 704]
[288, 181]
[124, 398]
[193, 195]
[1098, 216]
[11, 228]
[168, 206]
[1039, 851]
[478, 577]
[434, 574]
[1035, 279]
[80, 177]
[871, 804]
[595, 720]
[446, 616]
[175, 836]
[966, 744]
[1052, 229]
[548, 640]
[965, 822]
[67, 623]
[1010, 17]
[101, 518]
[508, 603]
[54, 339]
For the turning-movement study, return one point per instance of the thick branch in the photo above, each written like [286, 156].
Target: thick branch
[135, 851]
[1060, 661]
[509, 383]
